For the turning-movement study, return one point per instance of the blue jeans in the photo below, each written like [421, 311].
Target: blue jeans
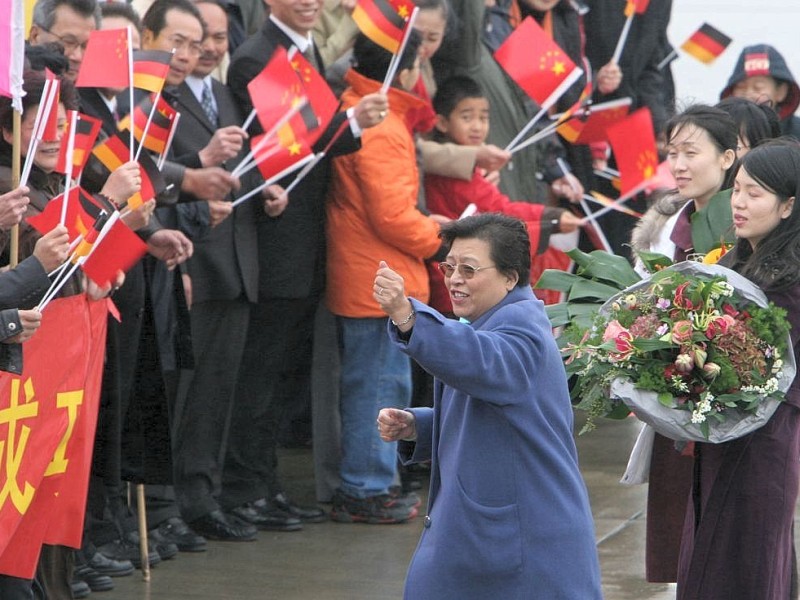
[374, 375]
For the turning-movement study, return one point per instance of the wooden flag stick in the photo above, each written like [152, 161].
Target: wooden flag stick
[141, 511]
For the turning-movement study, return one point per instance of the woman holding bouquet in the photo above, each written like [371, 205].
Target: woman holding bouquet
[738, 534]
[701, 146]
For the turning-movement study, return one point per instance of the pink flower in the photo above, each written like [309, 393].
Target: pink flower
[681, 332]
[622, 338]
[719, 326]
[681, 301]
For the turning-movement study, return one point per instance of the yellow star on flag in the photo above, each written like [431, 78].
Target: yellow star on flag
[559, 68]
[294, 149]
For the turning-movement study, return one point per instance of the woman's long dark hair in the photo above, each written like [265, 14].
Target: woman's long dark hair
[774, 264]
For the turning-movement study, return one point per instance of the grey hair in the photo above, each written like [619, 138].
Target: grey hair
[44, 12]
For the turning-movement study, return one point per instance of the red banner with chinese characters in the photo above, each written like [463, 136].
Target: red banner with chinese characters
[47, 423]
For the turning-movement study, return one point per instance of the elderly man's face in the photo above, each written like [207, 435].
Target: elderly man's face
[216, 43]
[182, 33]
[71, 30]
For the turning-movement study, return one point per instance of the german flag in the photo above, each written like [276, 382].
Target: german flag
[82, 211]
[86, 132]
[706, 44]
[152, 182]
[383, 21]
[112, 153]
[150, 68]
[160, 125]
[84, 247]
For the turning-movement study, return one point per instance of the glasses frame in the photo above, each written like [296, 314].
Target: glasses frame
[69, 46]
[465, 270]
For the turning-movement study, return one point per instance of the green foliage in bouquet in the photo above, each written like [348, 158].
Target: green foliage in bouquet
[688, 337]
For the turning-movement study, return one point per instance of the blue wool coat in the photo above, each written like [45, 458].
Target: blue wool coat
[508, 512]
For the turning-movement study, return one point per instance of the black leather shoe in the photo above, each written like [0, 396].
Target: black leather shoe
[124, 549]
[265, 516]
[80, 589]
[164, 548]
[96, 581]
[216, 525]
[308, 514]
[178, 532]
[109, 566]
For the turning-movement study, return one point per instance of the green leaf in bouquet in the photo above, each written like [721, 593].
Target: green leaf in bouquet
[704, 428]
[653, 261]
[558, 314]
[554, 279]
[582, 315]
[602, 266]
[666, 399]
[585, 288]
[651, 345]
[619, 412]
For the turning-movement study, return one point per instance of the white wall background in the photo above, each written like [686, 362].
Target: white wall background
[774, 22]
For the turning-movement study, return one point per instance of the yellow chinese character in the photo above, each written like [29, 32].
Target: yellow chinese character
[12, 450]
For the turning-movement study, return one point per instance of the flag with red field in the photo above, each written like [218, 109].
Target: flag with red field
[150, 68]
[113, 152]
[706, 44]
[50, 129]
[321, 99]
[160, 125]
[634, 145]
[588, 125]
[119, 250]
[48, 420]
[281, 152]
[636, 7]
[86, 130]
[82, 211]
[383, 21]
[105, 60]
[277, 81]
[536, 63]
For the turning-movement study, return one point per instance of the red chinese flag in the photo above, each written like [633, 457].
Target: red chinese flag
[280, 153]
[706, 44]
[534, 61]
[50, 128]
[160, 124]
[47, 414]
[277, 81]
[105, 60]
[86, 132]
[663, 179]
[150, 68]
[82, 212]
[589, 125]
[323, 103]
[634, 145]
[119, 250]
[637, 7]
[383, 21]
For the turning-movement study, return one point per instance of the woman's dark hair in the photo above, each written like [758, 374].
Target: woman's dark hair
[372, 61]
[509, 244]
[33, 84]
[719, 125]
[773, 263]
[756, 123]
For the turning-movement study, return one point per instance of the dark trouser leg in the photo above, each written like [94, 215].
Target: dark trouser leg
[219, 330]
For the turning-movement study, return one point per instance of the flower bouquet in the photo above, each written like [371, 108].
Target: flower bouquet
[695, 350]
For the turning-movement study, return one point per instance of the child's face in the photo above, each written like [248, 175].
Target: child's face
[761, 88]
[468, 123]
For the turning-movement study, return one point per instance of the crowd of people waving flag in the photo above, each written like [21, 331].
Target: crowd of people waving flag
[191, 243]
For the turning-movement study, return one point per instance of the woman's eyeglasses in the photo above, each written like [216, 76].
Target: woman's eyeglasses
[465, 270]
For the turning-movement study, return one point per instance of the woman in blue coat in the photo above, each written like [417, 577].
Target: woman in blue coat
[508, 513]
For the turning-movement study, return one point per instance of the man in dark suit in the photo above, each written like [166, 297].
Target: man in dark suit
[224, 276]
[291, 253]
